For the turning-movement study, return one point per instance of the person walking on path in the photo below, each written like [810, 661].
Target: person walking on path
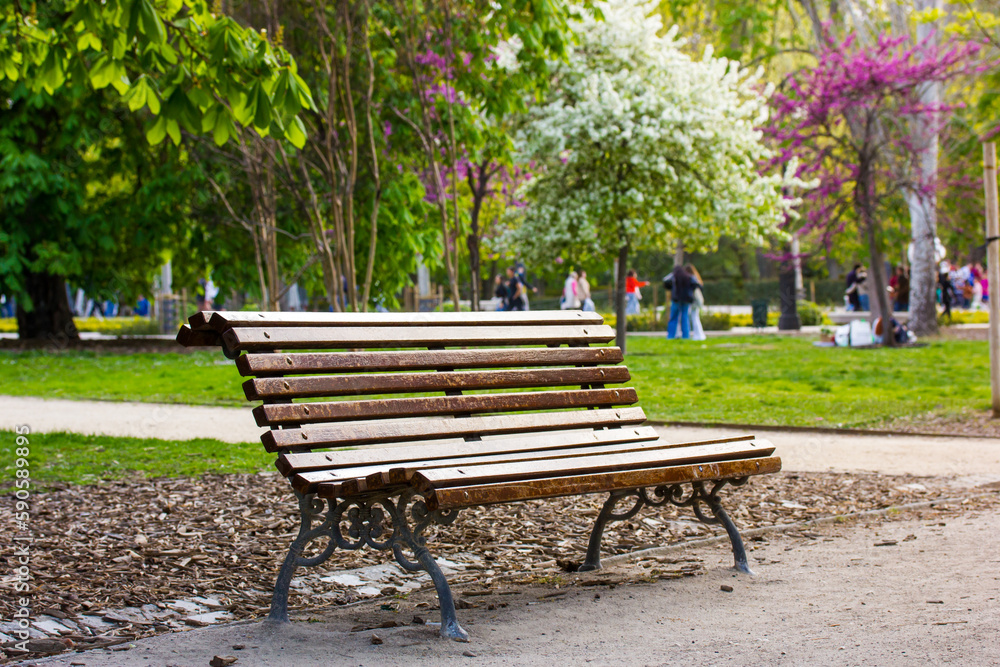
[515, 291]
[571, 293]
[899, 286]
[499, 293]
[586, 303]
[632, 294]
[947, 289]
[681, 286]
[697, 303]
[854, 277]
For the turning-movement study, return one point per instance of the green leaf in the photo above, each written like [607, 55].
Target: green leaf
[102, 72]
[262, 117]
[136, 95]
[305, 98]
[174, 130]
[10, 69]
[157, 133]
[152, 26]
[88, 40]
[220, 133]
[295, 132]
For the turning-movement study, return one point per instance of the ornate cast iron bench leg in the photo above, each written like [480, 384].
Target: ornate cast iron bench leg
[365, 518]
[660, 496]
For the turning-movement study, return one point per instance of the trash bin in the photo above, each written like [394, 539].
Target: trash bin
[759, 309]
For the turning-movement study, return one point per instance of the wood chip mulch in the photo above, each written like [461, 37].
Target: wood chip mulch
[109, 546]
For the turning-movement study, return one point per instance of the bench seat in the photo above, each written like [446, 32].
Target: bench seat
[418, 416]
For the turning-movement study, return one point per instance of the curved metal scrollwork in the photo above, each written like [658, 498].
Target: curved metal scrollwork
[378, 521]
[698, 498]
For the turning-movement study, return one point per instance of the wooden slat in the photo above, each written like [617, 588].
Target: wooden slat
[432, 450]
[469, 496]
[200, 320]
[664, 453]
[263, 364]
[429, 406]
[220, 321]
[266, 338]
[428, 479]
[357, 385]
[380, 476]
[404, 430]
[188, 337]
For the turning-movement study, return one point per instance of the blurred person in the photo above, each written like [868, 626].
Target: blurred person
[515, 291]
[586, 303]
[899, 288]
[680, 285]
[632, 294]
[571, 293]
[697, 303]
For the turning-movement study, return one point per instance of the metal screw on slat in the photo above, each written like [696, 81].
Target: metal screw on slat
[616, 393]
[288, 360]
[305, 436]
[602, 373]
[286, 385]
[267, 335]
[584, 331]
[306, 409]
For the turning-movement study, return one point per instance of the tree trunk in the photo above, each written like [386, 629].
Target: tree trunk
[472, 241]
[923, 209]
[50, 317]
[621, 323]
[878, 293]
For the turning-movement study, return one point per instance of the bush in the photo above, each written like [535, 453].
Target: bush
[110, 326]
[716, 321]
[810, 314]
[965, 317]
[747, 320]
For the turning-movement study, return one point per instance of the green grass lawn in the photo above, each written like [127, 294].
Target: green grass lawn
[745, 379]
[200, 378]
[749, 380]
[81, 459]
[788, 381]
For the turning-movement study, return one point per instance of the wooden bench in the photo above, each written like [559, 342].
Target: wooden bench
[377, 470]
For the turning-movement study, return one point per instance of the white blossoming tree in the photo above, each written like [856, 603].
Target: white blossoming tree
[639, 145]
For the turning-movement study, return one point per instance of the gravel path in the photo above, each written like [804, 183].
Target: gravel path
[972, 461]
[923, 590]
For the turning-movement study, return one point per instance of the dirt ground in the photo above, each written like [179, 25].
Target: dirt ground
[922, 588]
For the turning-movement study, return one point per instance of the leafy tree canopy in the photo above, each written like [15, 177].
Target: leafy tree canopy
[193, 68]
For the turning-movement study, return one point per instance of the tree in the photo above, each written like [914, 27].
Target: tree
[191, 68]
[82, 196]
[639, 144]
[849, 123]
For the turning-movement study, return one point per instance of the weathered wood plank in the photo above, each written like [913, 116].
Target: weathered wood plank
[357, 385]
[293, 363]
[404, 430]
[507, 492]
[431, 450]
[220, 321]
[299, 338]
[428, 479]
[188, 337]
[429, 406]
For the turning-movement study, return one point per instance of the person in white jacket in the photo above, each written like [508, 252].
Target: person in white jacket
[571, 293]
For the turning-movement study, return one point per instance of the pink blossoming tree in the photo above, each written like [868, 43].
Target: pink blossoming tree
[849, 122]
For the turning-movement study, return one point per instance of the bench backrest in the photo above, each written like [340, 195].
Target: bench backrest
[328, 380]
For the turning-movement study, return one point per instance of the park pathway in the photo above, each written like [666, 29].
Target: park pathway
[971, 461]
